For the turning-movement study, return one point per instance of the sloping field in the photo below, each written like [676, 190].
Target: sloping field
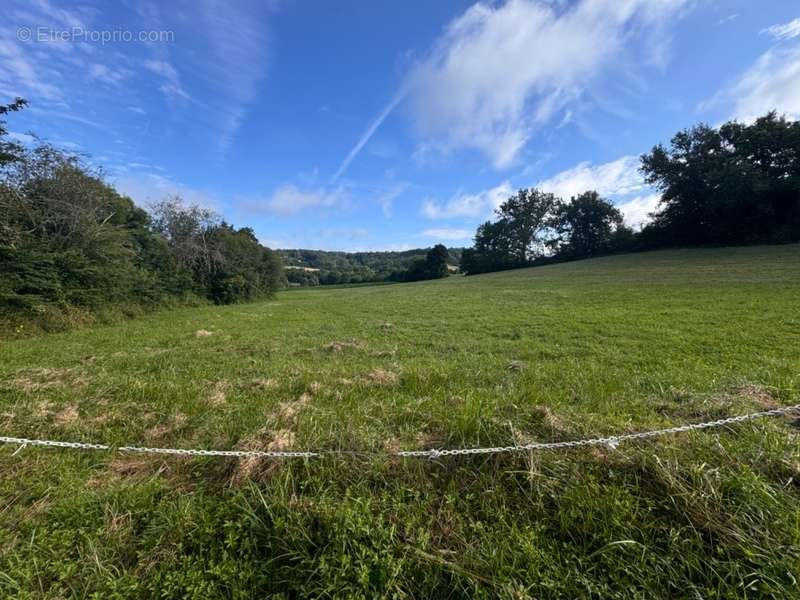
[555, 353]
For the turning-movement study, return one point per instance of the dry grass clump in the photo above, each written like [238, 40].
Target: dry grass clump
[263, 383]
[288, 410]
[66, 416]
[38, 379]
[218, 393]
[134, 467]
[201, 333]
[381, 377]
[758, 394]
[255, 467]
[341, 346]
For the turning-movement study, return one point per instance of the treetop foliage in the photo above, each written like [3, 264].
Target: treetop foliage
[736, 184]
[69, 239]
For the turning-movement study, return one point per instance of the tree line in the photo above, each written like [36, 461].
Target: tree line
[69, 240]
[735, 184]
[335, 267]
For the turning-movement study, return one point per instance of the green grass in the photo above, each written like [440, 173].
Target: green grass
[553, 353]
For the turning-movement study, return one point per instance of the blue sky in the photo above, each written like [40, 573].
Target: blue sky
[387, 125]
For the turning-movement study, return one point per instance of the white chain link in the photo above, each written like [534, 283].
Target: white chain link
[612, 442]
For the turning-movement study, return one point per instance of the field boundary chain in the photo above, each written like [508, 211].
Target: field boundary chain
[609, 441]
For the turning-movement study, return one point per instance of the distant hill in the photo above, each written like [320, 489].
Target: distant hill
[322, 267]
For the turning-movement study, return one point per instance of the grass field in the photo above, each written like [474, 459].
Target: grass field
[554, 353]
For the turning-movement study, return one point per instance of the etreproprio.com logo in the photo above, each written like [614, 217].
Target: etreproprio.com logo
[94, 36]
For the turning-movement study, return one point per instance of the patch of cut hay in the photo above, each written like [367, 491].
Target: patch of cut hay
[127, 466]
[255, 467]
[163, 429]
[289, 410]
[218, 393]
[341, 346]
[66, 416]
[381, 377]
[157, 432]
[392, 445]
[38, 379]
[551, 420]
[282, 441]
[758, 394]
[43, 409]
[264, 384]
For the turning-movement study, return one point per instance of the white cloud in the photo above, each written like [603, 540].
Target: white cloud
[22, 138]
[172, 81]
[289, 200]
[616, 178]
[772, 83]
[499, 72]
[447, 233]
[237, 36]
[386, 199]
[108, 75]
[636, 211]
[146, 188]
[786, 31]
[469, 206]
[21, 75]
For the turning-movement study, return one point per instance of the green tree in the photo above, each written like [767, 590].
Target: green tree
[436, 262]
[9, 151]
[738, 183]
[68, 238]
[493, 250]
[528, 222]
[587, 225]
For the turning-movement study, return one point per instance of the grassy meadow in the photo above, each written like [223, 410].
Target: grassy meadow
[554, 353]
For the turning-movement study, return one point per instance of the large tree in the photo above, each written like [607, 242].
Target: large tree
[738, 183]
[528, 222]
[588, 225]
[493, 250]
[433, 266]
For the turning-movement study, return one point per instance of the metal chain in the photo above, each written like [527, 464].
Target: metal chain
[611, 441]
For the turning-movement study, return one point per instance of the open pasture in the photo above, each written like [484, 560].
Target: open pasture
[594, 347]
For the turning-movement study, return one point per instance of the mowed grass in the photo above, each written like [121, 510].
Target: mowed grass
[555, 353]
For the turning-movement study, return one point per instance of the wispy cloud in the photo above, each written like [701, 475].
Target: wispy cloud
[636, 211]
[468, 206]
[289, 200]
[499, 72]
[368, 133]
[616, 178]
[220, 64]
[786, 31]
[171, 86]
[108, 75]
[771, 83]
[148, 187]
[448, 234]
